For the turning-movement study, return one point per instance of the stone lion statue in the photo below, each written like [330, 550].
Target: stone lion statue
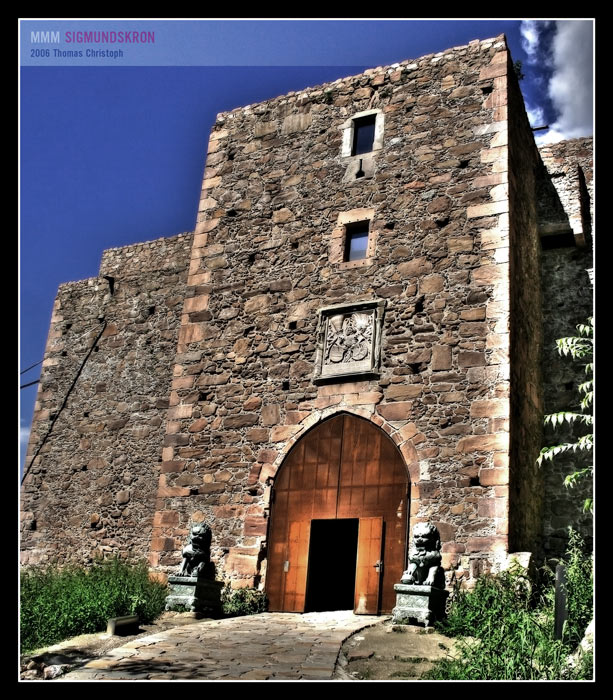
[196, 553]
[425, 558]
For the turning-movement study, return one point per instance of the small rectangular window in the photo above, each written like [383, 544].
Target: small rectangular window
[558, 240]
[363, 134]
[356, 241]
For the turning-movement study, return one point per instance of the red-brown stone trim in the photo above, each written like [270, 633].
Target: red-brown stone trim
[404, 444]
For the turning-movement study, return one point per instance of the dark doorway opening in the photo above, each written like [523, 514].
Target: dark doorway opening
[333, 553]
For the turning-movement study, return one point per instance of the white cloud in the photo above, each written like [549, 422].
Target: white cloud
[532, 40]
[24, 434]
[529, 29]
[571, 85]
[550, 136]
[536, 115]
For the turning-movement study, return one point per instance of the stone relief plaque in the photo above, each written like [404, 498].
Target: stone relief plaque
[349, 340]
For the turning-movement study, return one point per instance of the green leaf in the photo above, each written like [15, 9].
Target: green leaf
[579, 346]
[563, 417]
[571, 480]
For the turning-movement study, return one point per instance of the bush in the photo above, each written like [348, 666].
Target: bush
[60, 603]
[474, 613]
[506, 626]
[242, 601]
[579, 588]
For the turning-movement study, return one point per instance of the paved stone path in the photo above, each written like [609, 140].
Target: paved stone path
[268, 646]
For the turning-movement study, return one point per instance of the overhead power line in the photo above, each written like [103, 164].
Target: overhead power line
[23, 386]
[27, 369]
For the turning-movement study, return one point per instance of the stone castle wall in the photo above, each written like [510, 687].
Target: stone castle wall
[175, 383]
[526, 417]
[277, 194]
[567, 301]
[93, 460]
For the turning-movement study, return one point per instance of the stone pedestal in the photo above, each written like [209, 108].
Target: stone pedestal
[418, 604]
[194, 594]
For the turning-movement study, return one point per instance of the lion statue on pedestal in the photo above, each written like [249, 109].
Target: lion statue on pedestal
[196, 553]
[425, 558]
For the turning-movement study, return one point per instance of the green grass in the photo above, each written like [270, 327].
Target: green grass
[60, 603]
[505, 625]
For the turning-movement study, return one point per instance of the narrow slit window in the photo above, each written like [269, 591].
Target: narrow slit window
[363, 134]
[356, 241]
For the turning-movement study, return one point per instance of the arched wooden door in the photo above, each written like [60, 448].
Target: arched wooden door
[338, 524]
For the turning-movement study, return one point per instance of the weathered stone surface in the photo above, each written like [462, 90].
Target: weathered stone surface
[203, 375]
[149, 287]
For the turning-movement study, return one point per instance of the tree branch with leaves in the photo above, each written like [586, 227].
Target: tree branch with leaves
[579, 347]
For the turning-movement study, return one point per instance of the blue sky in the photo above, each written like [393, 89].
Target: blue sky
[113, 153]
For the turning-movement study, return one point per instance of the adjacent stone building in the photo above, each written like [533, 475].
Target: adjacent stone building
[351, 341]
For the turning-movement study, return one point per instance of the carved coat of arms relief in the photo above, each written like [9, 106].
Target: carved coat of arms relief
[349, 340]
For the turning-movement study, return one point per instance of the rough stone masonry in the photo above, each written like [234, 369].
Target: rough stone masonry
[176, 383]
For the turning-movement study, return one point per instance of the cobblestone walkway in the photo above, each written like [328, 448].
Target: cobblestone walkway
[268, 646]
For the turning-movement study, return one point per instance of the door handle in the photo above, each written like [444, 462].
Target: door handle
[378, 566]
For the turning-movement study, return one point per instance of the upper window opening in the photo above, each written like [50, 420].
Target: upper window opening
[558, 240]
[356, 241]
[363, 134]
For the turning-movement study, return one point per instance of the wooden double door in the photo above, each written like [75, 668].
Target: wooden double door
[338, 528]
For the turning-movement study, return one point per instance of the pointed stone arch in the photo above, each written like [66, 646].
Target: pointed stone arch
[344, 466]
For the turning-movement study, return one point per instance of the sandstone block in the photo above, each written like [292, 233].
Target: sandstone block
[261, 302]
[267, 455]
[241, 421]
[431, 284]
[441, 357]
[198, 303]
[406, 433]
[283, 432]
[471, 359]
[172, 491]
[414, 268]
[255, 526]
[489, 408]
[403, 391]
[183, 382]
[282, 216]
[241, 564]
[191, 333]
[296, 122]
[494, 70]
[473, 314]
[198, 425]
[163, 544]
[264, 128]
[166, 517]
[486, 544]
[400, 410]
[473, 328]
[494, 477]
[258, 435]
[483, 443]
[479, 210]
[368, 397]
[271, 414]
[439, 204]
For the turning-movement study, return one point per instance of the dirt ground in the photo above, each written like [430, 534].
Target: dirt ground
[381, 652]
[391, 653]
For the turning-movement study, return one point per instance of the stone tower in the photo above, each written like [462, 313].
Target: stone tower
[350, 342]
